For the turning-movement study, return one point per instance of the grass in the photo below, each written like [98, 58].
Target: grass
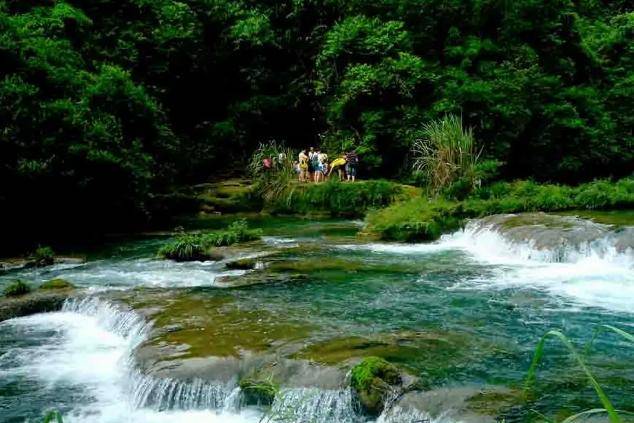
[608, 407]
[196, 246]
[336, 198]
[426, 219]
[42, 256]
[446, 153]
[17, 288]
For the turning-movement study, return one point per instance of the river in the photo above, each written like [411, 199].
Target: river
[158, 341]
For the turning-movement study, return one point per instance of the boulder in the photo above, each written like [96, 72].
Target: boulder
[373, 380]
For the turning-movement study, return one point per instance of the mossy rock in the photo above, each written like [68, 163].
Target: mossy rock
[57, 283]
[242, 264]
[17, 288]
[372, 380]
[258, 392]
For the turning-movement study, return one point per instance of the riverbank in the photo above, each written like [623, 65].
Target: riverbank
[425, 219]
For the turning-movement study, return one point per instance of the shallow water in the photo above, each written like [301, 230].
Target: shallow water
[463, 314]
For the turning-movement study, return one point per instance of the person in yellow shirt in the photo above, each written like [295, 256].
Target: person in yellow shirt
[303, 166]
[338, 165]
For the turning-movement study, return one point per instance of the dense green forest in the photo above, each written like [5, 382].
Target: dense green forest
[105, 104]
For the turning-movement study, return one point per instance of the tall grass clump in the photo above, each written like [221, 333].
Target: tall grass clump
[197, 246]
[446, 154]
[276, 181]
[608, 407]
[42, 256]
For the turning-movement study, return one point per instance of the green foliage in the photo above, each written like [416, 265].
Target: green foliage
[531, 377]
[42, 256]
[185, 247]
[235, 233]
[426, 219]
[106, 105]
[259, 392]
[446, 154]
[16, 288]
[417, 219]
[53, 416]
[196, 246]
[336, 198]
[371, 379]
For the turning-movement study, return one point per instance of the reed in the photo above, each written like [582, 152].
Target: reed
[445, 153]
[608, 407]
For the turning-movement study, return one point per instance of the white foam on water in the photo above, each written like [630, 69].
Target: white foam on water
[89, 352]
[595, 273]
[149, 272]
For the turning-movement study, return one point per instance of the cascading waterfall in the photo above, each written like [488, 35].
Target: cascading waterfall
[315, 405]
[575, 241]
[168, 394]
[149, 393]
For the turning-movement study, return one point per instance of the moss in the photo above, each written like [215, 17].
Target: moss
[216, 326]
[230, 196]
[258, 391]
[17, 288]
[494, 402]
[417, 219]
[57, 284]
[242, 264]
[372, 380]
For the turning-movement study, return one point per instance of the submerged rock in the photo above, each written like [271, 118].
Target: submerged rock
[374, 380]
[39, 301]
[242, 264]
[57, 283]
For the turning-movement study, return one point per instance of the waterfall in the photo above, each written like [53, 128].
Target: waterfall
[315, 405]
[170, 394]
[558, 239]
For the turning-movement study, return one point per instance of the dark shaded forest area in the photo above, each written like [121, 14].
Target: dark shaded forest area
[106, 104]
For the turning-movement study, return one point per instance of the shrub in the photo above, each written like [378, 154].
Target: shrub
[16, 288]
[43, 256]
[446, 153]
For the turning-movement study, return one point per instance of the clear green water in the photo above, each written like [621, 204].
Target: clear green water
[442, 314]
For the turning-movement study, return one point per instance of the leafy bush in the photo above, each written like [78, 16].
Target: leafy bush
[42, 256]
[446, 154]
[16, 288]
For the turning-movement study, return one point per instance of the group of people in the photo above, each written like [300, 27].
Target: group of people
[313, 166]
